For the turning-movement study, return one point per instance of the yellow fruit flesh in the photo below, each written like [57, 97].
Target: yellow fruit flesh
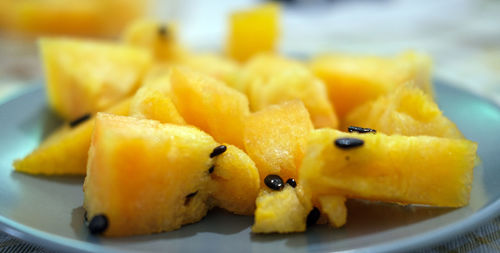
[216, 66]
[253, 31]
[158, 38]
[210, 105]
[421, 170]
[66, 150]
[237, 181]
[153, 104]
[405, 111]
[335, 209]
[280, 212]
[353, 80]
[276, 137]
[168, 163]
[89, 76]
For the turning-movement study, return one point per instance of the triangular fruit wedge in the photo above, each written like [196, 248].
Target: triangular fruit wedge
[401, 169]
[353, 80]
[405, 111]
[65, 151]
[210, 105]
[85, 76]
[145, 177]
[271, 79]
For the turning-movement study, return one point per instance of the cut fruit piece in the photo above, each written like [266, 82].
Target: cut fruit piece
[402, 169]
[237, 181]
[280, 212]
[406, 111]
[147, 177]
[253, 31]
[66, 150]
[216, 66]
[158, 38]
[210, 105]
[276, 137]
[288, 80]
[354, 80]
[88, 76]
[335, 209]
[153, 101]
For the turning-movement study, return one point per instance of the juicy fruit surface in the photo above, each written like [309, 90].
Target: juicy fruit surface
[280, 212]
[210, 105]
[253, 31]
[334, 207]
[276, 137]
[158, 38]
[167, 162]
[237, 181]
[153, 104]
[405, 111]
[216, 66]
[270, 79]
[354, 80]
[403, 169]
[66, 150]
[89, 76]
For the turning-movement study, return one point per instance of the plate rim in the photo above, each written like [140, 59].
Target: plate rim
[433, 237]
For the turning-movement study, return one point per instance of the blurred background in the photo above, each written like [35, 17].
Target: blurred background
[463, 36]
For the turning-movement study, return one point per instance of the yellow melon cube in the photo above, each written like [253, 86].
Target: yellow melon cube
[210, 105]
[402, 169]
[88, 76]
[276, 138]
[66, 150]
[236, 181]
[214, 65]
[253, 31]
[158, 38]
[170, 183]
[405, 111]
[335, 209]
[280, 212]
[271, 80]
[353, 80]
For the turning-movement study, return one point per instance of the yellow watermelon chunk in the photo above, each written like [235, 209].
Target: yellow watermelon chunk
[214, 65]
[402, 169]
[89, 76]
[170, 178]
[269, 79]
[210, 105]
[280, 211]
[353, 80]
[66, 150]
[276, 138]
[405, 111]
[334, 207]
[253, 31]
[160, 39]
[237, 181]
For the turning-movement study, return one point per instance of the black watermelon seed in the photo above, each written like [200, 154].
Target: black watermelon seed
[189, 197]
[347, 143]
[361, 130]
[211, 170]
[162, 31]
[274, 182]
[218, 150]
[313, 217]
[98, 224]
[80, 120]
[291, 182]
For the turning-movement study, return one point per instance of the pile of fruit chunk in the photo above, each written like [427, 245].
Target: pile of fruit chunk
[163, 134]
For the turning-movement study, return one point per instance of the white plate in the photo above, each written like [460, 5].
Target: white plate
[47, 210]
